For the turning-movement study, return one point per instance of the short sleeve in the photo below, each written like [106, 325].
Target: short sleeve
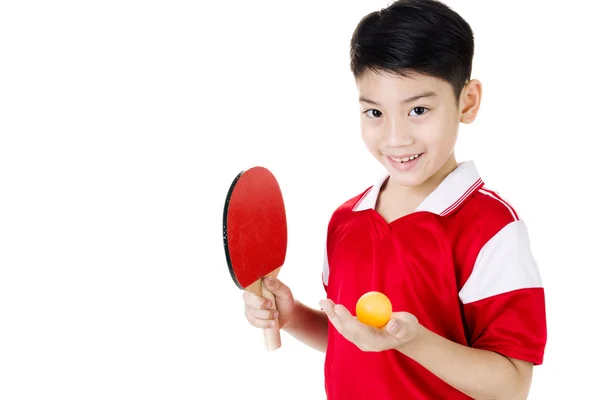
[325, 270]
[503, 298]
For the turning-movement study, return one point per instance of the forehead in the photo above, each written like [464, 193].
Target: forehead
[385, 86]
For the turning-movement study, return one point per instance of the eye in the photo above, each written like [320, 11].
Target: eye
[418, 111]
[372, 113]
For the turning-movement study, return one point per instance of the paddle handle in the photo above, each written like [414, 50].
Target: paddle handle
[272, 334]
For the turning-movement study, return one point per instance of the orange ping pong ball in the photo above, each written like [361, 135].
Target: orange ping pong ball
[374, 309]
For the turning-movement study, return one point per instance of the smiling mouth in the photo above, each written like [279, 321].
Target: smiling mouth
[403, 160]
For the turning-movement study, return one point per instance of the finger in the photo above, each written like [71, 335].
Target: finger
[278, 288]
[261, 314]
[396, 328]
[405, 317]
[328, 306]
[354, 329]
[347, 319]
[403, 326]
[282, 293]
[255, 301]
[261, 323]
[400, 330]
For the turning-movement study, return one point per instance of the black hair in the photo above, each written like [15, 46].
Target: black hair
[414, 36]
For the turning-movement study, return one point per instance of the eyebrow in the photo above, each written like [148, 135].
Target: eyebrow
[409, 100]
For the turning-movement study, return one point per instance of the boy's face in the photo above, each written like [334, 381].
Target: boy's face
[410, 124]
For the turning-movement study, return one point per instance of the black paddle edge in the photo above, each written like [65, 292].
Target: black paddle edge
[225, 246]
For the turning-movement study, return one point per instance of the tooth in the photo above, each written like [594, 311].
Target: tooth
[405, 159]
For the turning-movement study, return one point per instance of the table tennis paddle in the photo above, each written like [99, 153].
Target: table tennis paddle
[255, 235]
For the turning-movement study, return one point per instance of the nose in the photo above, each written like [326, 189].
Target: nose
[397, 134]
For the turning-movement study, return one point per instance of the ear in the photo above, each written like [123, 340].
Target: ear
[470, 100]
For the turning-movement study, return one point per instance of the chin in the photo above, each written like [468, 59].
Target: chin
[412, 177]
[404, 179]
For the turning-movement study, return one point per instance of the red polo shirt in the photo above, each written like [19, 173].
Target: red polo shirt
[461, 263]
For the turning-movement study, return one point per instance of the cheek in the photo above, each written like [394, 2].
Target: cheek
[439, 134]
[369, 135]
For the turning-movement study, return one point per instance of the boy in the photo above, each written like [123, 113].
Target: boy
[452, 256]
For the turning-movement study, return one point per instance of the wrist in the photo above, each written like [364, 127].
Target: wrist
[289, 320]
[415, 342]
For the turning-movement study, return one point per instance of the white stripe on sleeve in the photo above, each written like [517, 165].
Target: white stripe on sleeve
[504, 264]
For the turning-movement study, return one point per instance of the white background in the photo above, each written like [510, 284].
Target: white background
[122, 124]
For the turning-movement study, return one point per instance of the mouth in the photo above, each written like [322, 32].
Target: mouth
[405, 159]
[405, 162]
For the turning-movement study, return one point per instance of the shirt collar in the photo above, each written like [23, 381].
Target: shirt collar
[454, 190]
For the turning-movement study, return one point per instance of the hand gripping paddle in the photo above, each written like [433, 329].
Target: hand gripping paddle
[255, 235]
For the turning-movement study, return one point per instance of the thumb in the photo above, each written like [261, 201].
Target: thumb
[278, 288]
[402, 325]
